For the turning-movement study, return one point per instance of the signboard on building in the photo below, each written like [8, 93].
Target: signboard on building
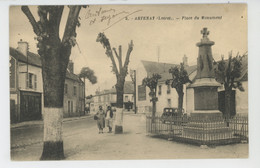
[141, 93]
[12, 72]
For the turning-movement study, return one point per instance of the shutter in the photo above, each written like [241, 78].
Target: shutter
[27, 80]
[35, 82]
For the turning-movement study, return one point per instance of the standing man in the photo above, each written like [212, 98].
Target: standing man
[109, 118]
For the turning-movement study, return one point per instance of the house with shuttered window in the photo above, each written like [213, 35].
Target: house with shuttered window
[26, 87]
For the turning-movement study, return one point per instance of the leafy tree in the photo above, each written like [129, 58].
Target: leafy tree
[120, 71]
[226, 73]
[88, 73]
[152, 82]
[179, 78]
[55, 53]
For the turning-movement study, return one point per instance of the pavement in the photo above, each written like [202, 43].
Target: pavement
[40, 122]
[82, 142]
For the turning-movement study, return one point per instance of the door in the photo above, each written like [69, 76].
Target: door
[30, 106]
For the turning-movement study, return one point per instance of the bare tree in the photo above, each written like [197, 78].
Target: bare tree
[120, 71]
[55, 53]
[179, 78]
[152, 82]
[225, 73]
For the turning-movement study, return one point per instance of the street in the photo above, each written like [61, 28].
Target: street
[82, 142]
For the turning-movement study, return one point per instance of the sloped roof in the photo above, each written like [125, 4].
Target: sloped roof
[163, 69]
[35, 60]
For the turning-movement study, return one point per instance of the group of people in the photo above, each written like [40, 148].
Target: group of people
[104, 118]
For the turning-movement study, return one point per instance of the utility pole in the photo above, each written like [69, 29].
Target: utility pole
[133, 77]
[135, 91]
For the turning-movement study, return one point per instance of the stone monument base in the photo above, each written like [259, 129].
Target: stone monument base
[207, 128]
[206, 114]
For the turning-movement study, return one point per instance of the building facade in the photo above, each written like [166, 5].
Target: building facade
[167, 96]
[26, 87]
[73, 104]
[108, 97]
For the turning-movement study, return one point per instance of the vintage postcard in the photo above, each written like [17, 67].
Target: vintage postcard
[128, 82]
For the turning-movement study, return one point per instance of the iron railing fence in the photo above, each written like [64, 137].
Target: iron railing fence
[214, 130]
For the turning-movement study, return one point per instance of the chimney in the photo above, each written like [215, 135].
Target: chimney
[185, 60]
[23, 47]
[71, 66]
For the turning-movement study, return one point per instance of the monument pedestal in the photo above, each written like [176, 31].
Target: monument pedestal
[206, 124]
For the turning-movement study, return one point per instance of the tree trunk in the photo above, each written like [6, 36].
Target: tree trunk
[84, 96]
[120, 104]
[180, 102]
[54, 65]
[227, 104]
[153, 110]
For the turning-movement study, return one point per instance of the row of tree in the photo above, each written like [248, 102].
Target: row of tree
[226, 73]
[55, 52]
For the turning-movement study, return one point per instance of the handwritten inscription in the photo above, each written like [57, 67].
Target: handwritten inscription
[112, 16]
[103, 15]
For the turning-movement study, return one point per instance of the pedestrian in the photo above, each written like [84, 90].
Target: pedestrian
[109, 118]
[100, 119]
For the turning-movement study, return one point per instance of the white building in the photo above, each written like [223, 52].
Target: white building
[108, 97]
[167, 96]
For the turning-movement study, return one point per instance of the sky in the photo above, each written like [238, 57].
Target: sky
[174, 38]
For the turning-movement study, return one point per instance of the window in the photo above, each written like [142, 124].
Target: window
[132, 98]
[70, 107]
[168, 89]
[65, 88]
[74, 90]
[31, 81]
[126, 98]
[169, 102]
[141, 93]
[35, 81]
[160, 90]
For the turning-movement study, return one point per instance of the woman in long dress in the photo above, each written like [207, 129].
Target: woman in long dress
[101, 119]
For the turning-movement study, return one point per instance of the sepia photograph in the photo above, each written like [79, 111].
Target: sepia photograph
[128, 82]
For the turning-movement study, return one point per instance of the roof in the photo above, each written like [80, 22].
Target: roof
[35, 60]
[163, 69]
[128, 89]
[73, 76]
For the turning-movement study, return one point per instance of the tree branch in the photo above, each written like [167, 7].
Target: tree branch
[42, 12]
[70, 29]
[111, 56]
[130, 48]
[120, 57]
[114, 49]
[32, 20]
[55, 17]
